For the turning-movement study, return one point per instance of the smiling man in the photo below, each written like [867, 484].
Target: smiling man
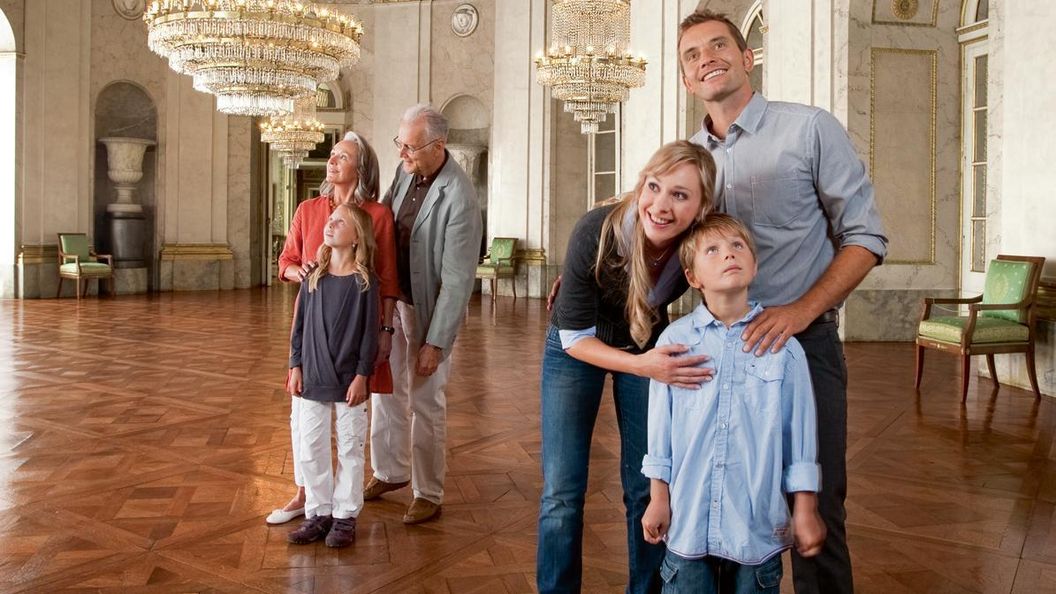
[790, 173]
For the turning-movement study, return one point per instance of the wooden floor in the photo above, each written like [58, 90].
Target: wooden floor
[144, 439]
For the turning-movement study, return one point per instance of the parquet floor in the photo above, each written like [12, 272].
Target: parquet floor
[144, 439]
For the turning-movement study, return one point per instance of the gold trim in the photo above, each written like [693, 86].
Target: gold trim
[1046, 300]
[196, 251]
[531, 256]
[905, 9]
[973, 27]
[934, 17]
[39, 254]
[932, 132]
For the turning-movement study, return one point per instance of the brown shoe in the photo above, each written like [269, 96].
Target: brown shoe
[342, 533]
[421, 510]
[376, 487]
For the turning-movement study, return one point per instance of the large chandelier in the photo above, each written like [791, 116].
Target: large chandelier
[588, 65]
[256, 56]
[293, 136]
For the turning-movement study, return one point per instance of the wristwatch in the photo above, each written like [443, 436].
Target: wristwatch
[388, 329]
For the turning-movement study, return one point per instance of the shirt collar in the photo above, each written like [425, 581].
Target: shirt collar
[702, 318]
[749, 120]
[420, 181]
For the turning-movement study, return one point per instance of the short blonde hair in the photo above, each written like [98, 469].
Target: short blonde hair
[713, 223]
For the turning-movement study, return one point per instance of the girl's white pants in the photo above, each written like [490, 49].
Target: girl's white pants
[327, 495]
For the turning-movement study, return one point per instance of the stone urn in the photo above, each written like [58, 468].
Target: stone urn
[124, 158]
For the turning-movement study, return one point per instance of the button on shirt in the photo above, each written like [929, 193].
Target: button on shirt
[790, 173]
[731, 449]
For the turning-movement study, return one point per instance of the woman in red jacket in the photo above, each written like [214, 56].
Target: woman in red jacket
[351, 177]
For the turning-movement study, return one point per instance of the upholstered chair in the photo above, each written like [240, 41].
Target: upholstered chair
[498, 263]
[78, 261]
[1001, 320]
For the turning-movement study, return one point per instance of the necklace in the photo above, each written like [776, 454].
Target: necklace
[654, 262]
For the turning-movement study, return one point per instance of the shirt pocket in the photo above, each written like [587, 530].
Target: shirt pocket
[776, 202]
[763, 378]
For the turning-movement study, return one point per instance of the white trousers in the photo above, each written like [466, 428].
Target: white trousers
[408, 432]
[326, 495]
[295, 438]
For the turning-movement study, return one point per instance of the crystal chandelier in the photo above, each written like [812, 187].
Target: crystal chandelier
[588, 65]
[293, 136]
[256, 56]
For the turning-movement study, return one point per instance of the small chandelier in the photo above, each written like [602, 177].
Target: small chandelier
[256, 56]
[293, 136]
[588, 65]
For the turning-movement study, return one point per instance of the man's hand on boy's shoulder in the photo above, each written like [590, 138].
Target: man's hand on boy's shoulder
[772, 328]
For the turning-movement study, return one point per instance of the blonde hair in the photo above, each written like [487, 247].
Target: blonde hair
[363, 258]
[713, 223]
[629, 253]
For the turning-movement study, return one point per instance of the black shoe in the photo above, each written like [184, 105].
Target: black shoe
[311, 530]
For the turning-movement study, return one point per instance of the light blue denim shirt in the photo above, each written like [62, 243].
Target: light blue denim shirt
[731, 449]
[790, 173]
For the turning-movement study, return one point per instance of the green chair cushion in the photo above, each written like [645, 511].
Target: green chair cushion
[951, 329]
[75, 244]
[502, 248]
[492, 271]
[1006, 282]
[87, 269]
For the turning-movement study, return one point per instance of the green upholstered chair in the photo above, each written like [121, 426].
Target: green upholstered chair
[498, 263]
[77, 260]
[1001, 320]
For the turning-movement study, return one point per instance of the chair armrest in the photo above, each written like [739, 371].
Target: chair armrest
[108, 257]
[998, 306]
[485, 258]
[950, 300]
[67, 257]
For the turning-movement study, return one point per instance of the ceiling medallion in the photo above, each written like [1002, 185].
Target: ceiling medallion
[256, 56]
[588, 65]
[905, 9]
[464, 20]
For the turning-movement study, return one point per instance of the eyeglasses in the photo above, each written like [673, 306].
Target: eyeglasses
[410, 149]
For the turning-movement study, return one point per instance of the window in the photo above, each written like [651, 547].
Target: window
[753, 31]
[974, 124]
[603, 160]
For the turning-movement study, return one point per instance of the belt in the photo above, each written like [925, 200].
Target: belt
[831, 316]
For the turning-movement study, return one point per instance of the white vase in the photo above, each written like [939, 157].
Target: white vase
[124, 157]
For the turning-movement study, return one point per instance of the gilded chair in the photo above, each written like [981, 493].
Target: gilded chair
[78, 261]
[1001, 320]
[498, 263]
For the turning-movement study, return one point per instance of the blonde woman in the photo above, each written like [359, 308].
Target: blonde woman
[620, 273]
[332, 351]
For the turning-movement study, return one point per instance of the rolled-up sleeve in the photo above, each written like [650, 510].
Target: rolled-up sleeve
[844, 188]
[657, 461]
[799, 425]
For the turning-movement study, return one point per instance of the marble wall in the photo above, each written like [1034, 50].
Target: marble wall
[9, 180]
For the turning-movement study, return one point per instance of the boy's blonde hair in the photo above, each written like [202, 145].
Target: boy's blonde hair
[713, 223]
[363, 262]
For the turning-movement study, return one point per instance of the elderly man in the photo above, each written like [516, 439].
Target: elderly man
[438, 229]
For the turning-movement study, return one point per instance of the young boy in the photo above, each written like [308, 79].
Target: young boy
[723, 457]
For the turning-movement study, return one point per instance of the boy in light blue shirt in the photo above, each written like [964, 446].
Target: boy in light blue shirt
[727, 458]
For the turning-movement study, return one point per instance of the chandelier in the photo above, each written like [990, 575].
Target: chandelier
[256, 56]
[293, 136]
[588, 65]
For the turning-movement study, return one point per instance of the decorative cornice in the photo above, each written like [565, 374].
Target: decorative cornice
[531, 256]
[196, 251]
[39, 254]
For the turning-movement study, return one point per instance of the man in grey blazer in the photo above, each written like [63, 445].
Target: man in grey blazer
[438, 229]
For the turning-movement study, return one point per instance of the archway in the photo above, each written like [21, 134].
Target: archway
[8, 206]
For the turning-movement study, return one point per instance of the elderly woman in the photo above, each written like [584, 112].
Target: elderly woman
[621, 272]
[351, 177]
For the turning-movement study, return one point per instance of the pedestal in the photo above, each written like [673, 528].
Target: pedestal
[127, 234]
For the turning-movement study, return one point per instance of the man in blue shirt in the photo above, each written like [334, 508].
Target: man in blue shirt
[722, 457]
[790, 173]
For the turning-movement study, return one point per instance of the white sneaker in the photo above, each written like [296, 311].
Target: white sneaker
[281, 516]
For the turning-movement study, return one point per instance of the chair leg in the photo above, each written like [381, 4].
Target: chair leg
[920, 367]
[966, 367]
[58, 292]
[1032, 373]
[79, 281]
[993, 370]
[494, 285]
[513, 279]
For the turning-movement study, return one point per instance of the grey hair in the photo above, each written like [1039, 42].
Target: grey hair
[435, 122]
[366, 169]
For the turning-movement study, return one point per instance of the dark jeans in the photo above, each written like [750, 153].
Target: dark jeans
[571, 396]
[712, 575]
[830, 571]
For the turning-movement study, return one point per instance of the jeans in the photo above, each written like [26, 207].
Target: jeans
[830, 571]
[712, 575]
[571, 397]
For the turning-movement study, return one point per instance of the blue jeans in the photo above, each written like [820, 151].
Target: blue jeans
[571, 396]
[830, 571]
[712, 575]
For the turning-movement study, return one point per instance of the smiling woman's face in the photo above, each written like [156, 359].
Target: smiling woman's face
[669, 203]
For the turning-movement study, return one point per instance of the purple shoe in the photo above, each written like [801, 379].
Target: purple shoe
[311, 530]
[342, 534]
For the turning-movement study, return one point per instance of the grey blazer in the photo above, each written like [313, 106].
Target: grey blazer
[445, 246]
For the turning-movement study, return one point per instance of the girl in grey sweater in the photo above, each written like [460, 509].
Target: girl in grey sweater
[333, 346]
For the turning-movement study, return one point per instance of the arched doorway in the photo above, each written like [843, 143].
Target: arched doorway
[8, 208]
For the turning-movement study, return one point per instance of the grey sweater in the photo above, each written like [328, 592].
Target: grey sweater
[335, 335]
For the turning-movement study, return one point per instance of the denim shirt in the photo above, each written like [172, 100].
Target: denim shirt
[731, 449]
